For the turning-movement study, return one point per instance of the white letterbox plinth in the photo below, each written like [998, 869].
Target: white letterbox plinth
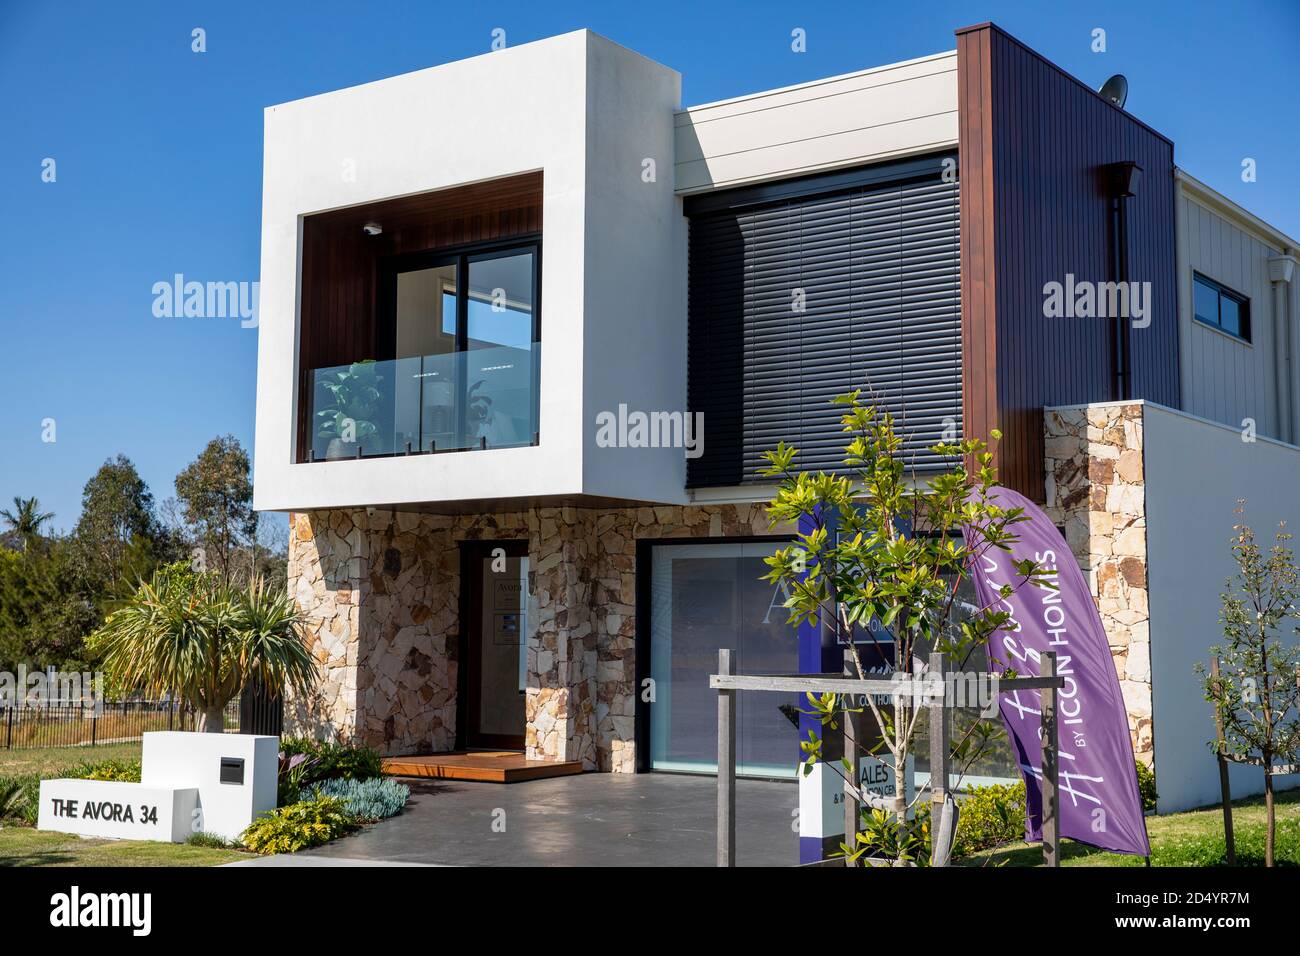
[111, 808]
[235, 774]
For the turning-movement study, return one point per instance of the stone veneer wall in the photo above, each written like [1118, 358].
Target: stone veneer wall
[380, 593]
[1096, 490]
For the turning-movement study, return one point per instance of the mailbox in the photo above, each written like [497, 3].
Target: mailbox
[235, 775]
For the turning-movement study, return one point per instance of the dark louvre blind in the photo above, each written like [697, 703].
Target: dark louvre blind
[839, 282]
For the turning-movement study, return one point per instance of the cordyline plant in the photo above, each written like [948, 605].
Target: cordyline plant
[884, 551]
[1257, 691]
[205, 638]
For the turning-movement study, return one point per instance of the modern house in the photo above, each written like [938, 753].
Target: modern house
[527, 326]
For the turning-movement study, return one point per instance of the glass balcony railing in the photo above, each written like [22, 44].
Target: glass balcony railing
[459, 401]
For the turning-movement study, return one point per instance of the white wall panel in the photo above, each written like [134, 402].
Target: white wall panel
[896, 110]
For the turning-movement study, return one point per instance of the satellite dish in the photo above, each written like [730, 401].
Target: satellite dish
[1115, 90]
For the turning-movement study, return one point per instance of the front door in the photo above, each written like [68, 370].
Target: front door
[493, 641]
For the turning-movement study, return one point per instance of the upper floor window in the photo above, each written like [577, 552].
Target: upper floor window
[805, 289]
[1219, 307]
[455, 366]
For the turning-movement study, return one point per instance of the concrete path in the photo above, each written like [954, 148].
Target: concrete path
[596, 819]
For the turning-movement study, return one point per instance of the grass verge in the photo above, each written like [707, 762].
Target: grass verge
[1193, 838]
[23, 846]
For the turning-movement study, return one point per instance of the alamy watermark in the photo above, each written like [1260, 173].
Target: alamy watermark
[637, 429]
[206, 300]
[965, 689]
[1083, 299]
[50, 687]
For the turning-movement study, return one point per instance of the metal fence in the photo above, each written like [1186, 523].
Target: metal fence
[27, 725]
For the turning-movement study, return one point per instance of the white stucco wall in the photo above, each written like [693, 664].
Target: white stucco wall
[583, 111]
[634, 272]
[1195, 473]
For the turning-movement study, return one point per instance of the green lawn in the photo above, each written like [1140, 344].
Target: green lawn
[1194, 838]
[48, 761]
[23, 846]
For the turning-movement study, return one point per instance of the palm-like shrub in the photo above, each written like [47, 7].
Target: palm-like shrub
[205, 638]
[26, 520]
[20, 799]
[13, 797]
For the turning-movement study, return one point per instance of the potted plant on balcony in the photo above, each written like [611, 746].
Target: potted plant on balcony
[350, 407]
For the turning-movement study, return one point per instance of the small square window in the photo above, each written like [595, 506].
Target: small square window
[1218, 306]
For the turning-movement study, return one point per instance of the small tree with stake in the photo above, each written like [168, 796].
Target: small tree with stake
[1257, 690]
[885, 551]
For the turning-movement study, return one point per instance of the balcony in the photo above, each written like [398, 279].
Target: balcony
[480, 398]
[421, 327]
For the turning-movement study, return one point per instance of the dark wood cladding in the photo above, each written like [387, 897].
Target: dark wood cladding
[1033, 142]
[978, 277]
[340, 262]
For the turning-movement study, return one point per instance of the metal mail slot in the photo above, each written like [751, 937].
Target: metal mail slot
[232, 770]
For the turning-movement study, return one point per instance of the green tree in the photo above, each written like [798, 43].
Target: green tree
[1258, 689]
[26, 519]
[205, 638]
[216, 498]
[117, 533]
[882, 550]
[45, 610]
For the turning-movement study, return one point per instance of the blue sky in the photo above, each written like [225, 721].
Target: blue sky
[158, 153]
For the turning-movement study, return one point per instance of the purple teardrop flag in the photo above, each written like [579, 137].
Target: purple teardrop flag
[1099, 799]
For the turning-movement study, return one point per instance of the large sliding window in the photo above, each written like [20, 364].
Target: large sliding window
[458, 346]
[704, 597]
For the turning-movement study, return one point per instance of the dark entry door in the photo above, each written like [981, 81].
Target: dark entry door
[494, 625]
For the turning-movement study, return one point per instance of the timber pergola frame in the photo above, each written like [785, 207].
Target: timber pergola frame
[915, 686]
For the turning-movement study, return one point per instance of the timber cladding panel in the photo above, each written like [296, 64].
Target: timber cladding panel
[1033, 142]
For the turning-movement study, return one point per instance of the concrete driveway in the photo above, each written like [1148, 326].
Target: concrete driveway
[596, 819]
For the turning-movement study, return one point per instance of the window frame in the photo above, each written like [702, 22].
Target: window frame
[1222, 291]
[388, 268]
[643, 570]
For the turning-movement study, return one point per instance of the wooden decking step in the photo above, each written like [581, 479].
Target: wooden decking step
[496, 766]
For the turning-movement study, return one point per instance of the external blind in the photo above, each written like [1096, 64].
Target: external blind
[799, 298]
